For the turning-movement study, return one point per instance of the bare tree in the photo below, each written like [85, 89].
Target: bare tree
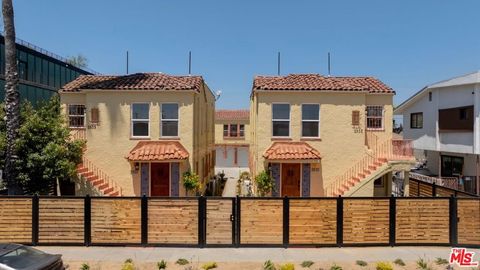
[12, 99]
[78, 61]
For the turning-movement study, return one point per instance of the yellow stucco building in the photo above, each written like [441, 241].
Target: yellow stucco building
[325, 136]
[143, 131]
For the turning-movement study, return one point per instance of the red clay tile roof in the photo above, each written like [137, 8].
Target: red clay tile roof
[157, 151]
[232, 115]
[291, 150]
[318, 82]
[137, 81]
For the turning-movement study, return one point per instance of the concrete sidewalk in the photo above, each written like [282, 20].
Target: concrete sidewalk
[337, 255]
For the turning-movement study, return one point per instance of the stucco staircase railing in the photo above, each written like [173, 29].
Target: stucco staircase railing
[374, 159]
[98, 179]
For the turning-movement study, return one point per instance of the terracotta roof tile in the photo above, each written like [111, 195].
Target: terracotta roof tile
[157, 151]
[232, 115]
[137, 81]
[291, 150]
[318, 82]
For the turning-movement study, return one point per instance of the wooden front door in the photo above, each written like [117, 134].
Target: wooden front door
[291, 179]
[160, 179]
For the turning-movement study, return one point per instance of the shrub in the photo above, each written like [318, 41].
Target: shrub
[265, 183]
[128, 265]
[384, 266]
[85, 266]
[209, 265]
[306, 264]
[182, 261]
[268, 265]
[191, 181]
[399, 262]
[336, 267]
[422, 264]
[287, 266]
[162, 265]
[441, 261]
[361, 263]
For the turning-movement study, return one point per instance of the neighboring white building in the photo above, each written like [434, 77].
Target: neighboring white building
[443, 119]
[232, 133]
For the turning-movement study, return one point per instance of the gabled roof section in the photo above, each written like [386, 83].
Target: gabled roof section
[470, 78]
[157, 151]
[291, 151]
[137, 81]
[317, 82]
[232, 115]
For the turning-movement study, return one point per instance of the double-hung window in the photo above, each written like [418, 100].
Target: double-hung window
[416, 120]
[76, 116]
[281, 120]
[311, 120]
[374, 117]
[140, 120]
[169, 120]
[233, 130]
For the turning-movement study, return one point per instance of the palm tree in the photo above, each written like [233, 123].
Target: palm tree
[12, 99]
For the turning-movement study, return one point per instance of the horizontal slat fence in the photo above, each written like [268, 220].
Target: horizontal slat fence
[61, 220]
[16, 220]
[228, 222]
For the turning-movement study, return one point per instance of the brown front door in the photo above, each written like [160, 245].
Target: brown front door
[160, 176]
[290, 179]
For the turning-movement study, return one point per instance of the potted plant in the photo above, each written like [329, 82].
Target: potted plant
[191, 181]
[265, 183]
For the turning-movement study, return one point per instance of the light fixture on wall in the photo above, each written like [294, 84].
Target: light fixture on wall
[136, 166]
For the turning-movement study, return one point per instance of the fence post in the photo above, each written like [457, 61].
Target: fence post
[339, 221]
[35, 210]
[286, 221]
[434, 189]
[237, 220]
[144, 213]
[201, 221]
[453, 221]
[87, 220]
[392, 220]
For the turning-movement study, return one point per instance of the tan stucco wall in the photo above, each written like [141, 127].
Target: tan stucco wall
[110, 141]
[340, 145]
[219, 139]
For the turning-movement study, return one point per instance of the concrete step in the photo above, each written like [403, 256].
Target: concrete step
[97, 182]
[92, 178]
[114, 194]
[82, 170]
[108, 191]
[103, 186]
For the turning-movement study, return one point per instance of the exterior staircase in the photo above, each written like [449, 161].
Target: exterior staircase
[98, 179]
[91, 174]
[373, 164]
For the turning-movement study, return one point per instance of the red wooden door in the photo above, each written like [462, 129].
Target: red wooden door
[291, 179]
[160, 179]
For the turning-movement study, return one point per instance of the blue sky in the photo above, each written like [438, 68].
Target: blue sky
[407, 44]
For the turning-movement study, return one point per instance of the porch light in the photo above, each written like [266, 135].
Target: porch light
[136, 166]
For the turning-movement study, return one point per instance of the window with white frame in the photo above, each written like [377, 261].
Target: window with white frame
[169, 120]
[140, 120]
[280, 120]
[374, 117]
[76, 116]
[311, 120]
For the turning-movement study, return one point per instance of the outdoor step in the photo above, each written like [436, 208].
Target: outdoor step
[104, 186]
[92, 178]
[367, 172]
[87, 174]
[383, 160]
[97, 182]
[108, 191]
[362, 175]
[114, 194]
[82, 170]
[356, 179]
[371, 167]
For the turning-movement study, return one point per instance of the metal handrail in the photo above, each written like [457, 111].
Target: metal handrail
[86, 163]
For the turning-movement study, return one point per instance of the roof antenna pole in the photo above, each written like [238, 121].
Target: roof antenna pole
[329, 64]
[278, 64]
[190, 63]
[127, 62]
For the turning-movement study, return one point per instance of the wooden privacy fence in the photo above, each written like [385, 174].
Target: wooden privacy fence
[238, 222]
[419, 188]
